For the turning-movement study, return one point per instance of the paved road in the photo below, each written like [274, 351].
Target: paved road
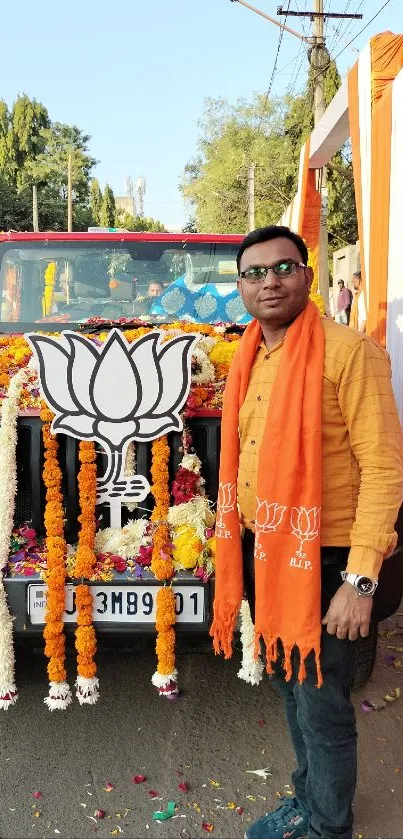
[209, 738]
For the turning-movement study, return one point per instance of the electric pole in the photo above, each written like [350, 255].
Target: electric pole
[69, 194]
[35, 221]
[251, 197]
[319, 60]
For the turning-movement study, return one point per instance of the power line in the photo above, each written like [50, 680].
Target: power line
[297, 70]
[337, 29]
[345, 31]
[352, 40]
[274, 68]
[362, 30]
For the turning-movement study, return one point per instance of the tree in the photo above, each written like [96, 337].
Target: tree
[24, 140]
[190, 226]
[269, 134]
[33, 150]
[95, 200]
[138, 224]
[215, 182]
[108, 208]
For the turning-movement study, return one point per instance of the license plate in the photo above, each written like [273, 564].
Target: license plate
[122, 604]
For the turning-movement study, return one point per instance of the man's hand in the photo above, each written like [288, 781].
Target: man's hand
[349, 613]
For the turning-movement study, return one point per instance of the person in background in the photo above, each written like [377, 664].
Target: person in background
[358, 316]
[155, 289]
[344, 300]
[311, 468]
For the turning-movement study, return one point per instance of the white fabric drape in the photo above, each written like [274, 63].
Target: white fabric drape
[394, 321]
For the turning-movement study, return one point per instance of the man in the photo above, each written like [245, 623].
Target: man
[343, 308]
[358, 316]
[155, 289]
[311, 466]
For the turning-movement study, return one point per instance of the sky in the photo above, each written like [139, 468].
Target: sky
[134, 75]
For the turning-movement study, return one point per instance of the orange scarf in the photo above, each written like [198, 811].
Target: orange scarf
[289, 491]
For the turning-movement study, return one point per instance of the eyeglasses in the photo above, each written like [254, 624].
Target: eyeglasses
[258, 273]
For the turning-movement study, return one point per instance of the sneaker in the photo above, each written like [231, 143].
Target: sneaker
[289, 821]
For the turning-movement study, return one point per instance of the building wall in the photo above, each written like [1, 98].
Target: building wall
[126, 203]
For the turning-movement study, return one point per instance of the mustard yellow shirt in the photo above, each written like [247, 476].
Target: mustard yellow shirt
[362, 452]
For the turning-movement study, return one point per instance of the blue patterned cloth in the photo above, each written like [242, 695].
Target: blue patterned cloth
[204, 306]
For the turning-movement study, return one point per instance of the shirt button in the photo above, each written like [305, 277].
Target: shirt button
[259, 398]
[266, 358]
[252, 442]
[247, 484]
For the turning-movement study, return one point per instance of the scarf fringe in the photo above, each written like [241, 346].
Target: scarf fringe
[222, 629]
[272, 652]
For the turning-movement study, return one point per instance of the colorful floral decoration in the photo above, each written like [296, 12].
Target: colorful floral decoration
[86, 645]
[8, 489]
[59, 690]
[166, 675]
[48, 293]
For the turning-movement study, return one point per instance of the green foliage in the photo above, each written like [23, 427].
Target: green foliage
[33, 150]
[190, 226]
[269, 134]
[95, 200]
[138, 224]
[108, 208]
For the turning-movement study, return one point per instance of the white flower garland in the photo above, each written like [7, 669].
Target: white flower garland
[130, 469]
[125, 542]
[8, 489]
[205, 373]
[196, 513]
[252, 668]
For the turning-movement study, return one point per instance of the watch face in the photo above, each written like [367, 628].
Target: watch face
[365, 585]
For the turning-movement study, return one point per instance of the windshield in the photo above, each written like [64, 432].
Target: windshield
[53, 282]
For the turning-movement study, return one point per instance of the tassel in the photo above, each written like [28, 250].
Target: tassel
[59, 696]
[222, 629]
[319, 683]
[166, 685]
[287, 663]
[8, 697]
[87, 691]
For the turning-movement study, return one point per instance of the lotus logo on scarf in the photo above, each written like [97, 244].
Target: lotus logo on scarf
[114, 393]
[226, 503]
[305, 526]
[268, 519]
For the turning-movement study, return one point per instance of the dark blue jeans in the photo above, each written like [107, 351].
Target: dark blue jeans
[321, 721]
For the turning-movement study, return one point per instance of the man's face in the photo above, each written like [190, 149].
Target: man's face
[275, 300]
[155, 289]
[356, 282]
[341, 285]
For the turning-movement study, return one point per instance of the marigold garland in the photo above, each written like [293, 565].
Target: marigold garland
[48, 293]
[86, 645]
[163, 568]
[59, 691]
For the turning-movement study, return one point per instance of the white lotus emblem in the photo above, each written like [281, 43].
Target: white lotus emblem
[115, 392]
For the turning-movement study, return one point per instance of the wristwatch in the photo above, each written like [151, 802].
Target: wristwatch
[363, 585]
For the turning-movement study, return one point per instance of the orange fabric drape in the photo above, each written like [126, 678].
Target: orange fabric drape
[312, 206]
[386, 61]
[381, 131]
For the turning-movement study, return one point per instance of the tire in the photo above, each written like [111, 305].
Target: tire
[365, 655]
